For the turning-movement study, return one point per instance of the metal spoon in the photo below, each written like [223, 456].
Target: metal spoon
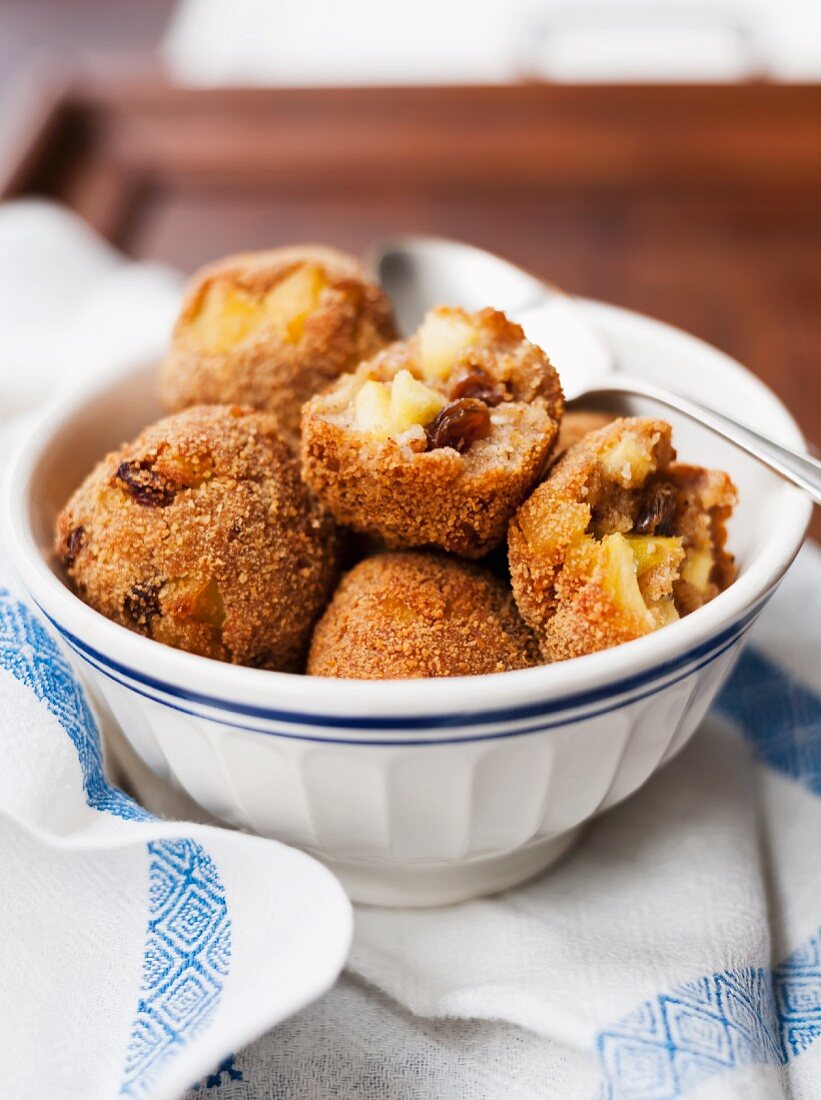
[421, 272]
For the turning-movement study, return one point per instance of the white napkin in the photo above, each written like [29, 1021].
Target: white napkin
[674, 953]
[135, 953]
[71, 305]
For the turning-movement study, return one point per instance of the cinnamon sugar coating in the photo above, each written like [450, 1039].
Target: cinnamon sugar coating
[410, 490]
[200, 534]
[416, 614]
[619, 540]
[272, 328]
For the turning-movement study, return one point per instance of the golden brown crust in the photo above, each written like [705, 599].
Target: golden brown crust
[417, 614]
[565, 543]
[200, 534]
[410, 496]
[352, 320]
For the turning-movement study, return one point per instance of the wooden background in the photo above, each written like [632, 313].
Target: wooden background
[698, 205]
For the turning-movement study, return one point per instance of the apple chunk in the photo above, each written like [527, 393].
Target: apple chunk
[389, 409]
[442, 339]
[230, 314]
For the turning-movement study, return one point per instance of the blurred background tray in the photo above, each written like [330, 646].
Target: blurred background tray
[700, 205]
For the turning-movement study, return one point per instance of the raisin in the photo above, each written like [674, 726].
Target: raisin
[658, 511]
[141, 603]
[459, 424]
[477, 383]
[74, 543]
[145, 485]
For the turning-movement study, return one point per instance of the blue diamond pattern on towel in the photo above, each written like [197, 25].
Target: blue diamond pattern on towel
[667, 1045]
[182, 972]
[797, 983]
[188, 940]
[697, 1030]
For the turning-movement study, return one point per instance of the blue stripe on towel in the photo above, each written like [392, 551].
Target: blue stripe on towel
[671, 1043]
[779, 715]
[188, 940]
[31, 655]
[186, 959]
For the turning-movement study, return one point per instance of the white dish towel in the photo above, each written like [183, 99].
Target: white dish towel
[676, 952]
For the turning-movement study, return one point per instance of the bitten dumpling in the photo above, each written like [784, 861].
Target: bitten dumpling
[619, 540]
[437, 440]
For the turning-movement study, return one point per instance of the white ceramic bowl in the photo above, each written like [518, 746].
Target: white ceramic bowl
[419, 792]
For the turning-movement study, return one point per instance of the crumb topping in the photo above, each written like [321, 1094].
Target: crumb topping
[200, 534]
[415, 614]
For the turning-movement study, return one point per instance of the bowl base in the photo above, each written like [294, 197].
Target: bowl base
[444, 882]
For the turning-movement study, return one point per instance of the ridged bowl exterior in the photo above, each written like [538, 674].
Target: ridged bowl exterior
[420, 822]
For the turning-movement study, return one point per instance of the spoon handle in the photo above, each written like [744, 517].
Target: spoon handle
[801, 469]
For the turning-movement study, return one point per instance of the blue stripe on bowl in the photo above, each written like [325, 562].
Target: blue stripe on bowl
[720, 644]
[435, 721]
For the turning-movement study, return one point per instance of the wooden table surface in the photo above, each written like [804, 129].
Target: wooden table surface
[698, 205]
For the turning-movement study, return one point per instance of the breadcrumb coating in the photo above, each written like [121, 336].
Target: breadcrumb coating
[410, 493]
[619, 540]
[418, 614]
[201, 535]
[270, 329]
